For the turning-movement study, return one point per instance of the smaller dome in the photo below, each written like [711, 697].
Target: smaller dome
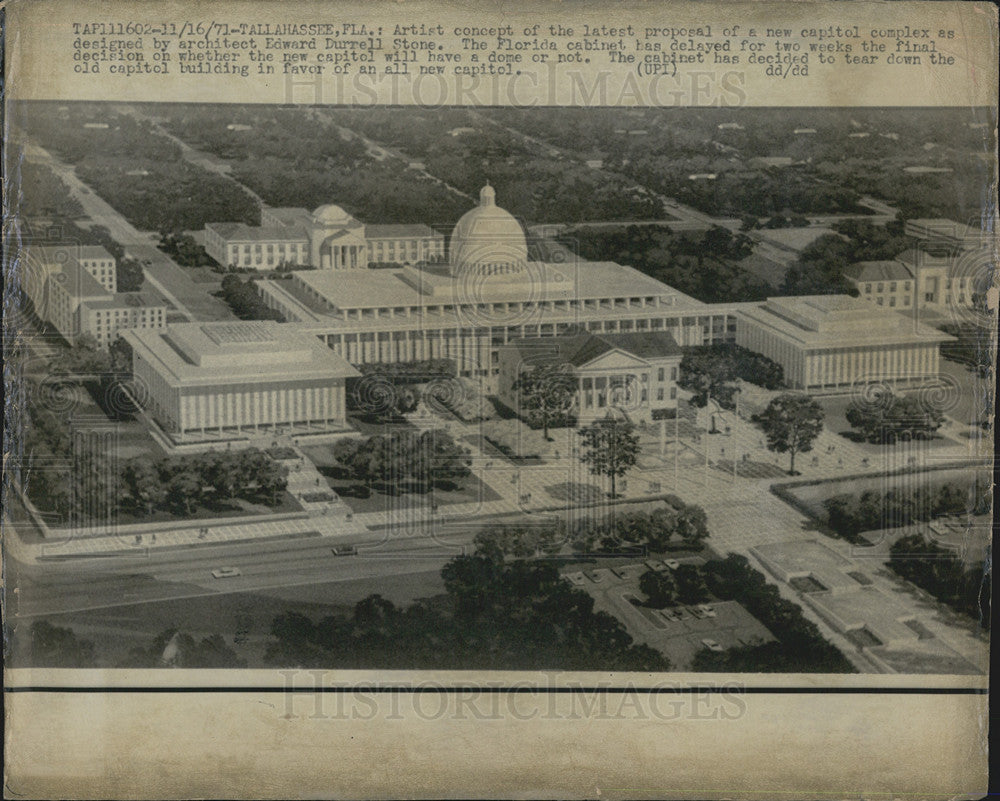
[331, 214]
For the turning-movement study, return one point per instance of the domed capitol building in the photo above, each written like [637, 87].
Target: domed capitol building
[392, 293]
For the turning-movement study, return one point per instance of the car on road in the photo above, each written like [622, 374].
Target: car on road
[706, 610]
[226, 572]
[344, 550]
[673, 564]
[712, 645]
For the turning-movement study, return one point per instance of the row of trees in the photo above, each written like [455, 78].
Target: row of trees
[944, 575]
[495, 615]
[246, 303]
[405, 459]
[182, 482]
[675, 524]
[800, 646]
[852, 513]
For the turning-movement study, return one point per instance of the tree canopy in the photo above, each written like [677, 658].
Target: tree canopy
[791, 422]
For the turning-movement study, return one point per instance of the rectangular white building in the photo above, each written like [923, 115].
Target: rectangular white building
[830, 343]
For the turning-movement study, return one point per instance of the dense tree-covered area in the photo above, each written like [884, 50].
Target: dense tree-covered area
[705, 265]
[851, 513]
[944, 575]
[495, 615]
[800, 647]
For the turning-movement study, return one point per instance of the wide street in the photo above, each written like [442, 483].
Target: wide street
[58, 587]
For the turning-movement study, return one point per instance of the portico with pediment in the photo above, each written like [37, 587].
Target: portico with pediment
[633, 374]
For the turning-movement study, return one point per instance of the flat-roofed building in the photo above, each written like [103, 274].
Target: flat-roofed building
[947, 233]
[256, 247]
[829, 343]
[38, 263]
[226, 378]
[487, 294]
[633, 373]
[78, 298]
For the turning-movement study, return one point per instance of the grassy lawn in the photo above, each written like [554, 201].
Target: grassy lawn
[468, 490]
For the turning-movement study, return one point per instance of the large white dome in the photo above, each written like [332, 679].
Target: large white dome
[488, 240]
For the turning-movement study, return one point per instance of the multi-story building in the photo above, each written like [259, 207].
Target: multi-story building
[487, 294]
[328, 239]
[219, 380]
[74, 289]
[885, 283]
[635, 373]
[259, 248]
[832, 343]
[41, 262]
[917, 279]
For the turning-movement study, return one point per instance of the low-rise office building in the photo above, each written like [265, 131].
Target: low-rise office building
[831, 343]
[222, 379]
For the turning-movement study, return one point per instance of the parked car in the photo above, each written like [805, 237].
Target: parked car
[226, 572]
[712, 645]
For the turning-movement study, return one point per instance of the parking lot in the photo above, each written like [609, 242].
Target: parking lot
[680, 631]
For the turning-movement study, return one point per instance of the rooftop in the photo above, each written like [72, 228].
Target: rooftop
[540, 281]
[208, 354]
[76, 280]
[126, 300]
[825, 321]
[60, 254]
[402, 231]
[582, 348]
[240, 232]
[878, 271]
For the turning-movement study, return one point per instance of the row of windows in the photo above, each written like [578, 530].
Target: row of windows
[892, 287]
[959, 282]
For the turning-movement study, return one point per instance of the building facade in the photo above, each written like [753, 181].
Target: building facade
[328, 239]
[632, 373]
[833, 343]
[917, 279]
[487, 294]
[219, 380]
[75, 290]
